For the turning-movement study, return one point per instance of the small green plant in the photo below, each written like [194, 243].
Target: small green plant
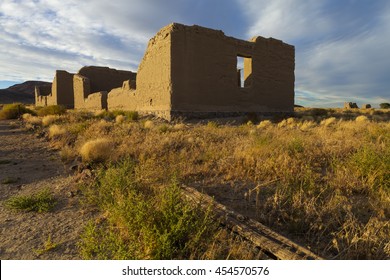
[14, 111]
[48, 245]
[384, 105]
[42, 201]
[5, 161]
[51, 110]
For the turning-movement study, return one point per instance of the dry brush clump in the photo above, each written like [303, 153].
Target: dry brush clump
[323, 175]
[98, 150]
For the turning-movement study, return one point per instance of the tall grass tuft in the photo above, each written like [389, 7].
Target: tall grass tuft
[98, 150]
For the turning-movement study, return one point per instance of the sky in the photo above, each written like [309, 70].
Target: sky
[342, 47]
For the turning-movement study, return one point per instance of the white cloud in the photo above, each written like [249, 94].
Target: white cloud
[70, 34]
[341, 47]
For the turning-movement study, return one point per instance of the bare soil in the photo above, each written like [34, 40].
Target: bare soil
[28, 165]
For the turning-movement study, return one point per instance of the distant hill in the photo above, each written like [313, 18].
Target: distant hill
[23, 93]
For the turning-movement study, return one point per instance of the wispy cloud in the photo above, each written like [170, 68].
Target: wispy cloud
[341, 46]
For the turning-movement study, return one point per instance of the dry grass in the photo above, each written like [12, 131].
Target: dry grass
[50, 119]
[329, 170]
[32, 120]
[56, 131]
[98, 150]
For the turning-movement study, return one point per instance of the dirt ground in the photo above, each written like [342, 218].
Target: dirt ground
[28, 165]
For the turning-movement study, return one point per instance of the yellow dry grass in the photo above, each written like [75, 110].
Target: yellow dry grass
[98, 150]
[329, 170]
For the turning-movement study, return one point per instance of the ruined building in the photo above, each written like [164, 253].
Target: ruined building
[85, 90]
[192, 71]
[60, 92]
[91, 85]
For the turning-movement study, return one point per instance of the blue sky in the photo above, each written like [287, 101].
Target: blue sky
[342, 47]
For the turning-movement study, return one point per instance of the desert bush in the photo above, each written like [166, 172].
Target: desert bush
[111, 115]
[329, 121]
[120, 119]
[361, 119]
[14, 111]
[98, 150]
[264, 124]
[148, 124]
[51, 110]
[143, 222]
[384, 105]
[42, 201]
[49, 120]
[57, 130]
[30, 119]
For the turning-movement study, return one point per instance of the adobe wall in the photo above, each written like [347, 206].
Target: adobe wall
[81, 89]
[153, 80]
[92, 83]
[104, 78]
[41, 94]
[204, 72]
[61, 91]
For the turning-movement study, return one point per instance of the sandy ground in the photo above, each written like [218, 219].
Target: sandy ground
[31, 165]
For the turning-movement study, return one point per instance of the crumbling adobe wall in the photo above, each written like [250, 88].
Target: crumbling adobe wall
[123, 98]
[92, 83]
[62, 89]
[104, 78]
[153, 81]
[81, 89]
[41, 94]
[61, 92]
[204, 72]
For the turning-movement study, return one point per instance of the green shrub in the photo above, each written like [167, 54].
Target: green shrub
[14, 111]
[384, 105]
[42, 201]
[110, 115]
[51, 110]
[143, 222]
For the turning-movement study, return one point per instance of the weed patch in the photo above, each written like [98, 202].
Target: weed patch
[42, 201]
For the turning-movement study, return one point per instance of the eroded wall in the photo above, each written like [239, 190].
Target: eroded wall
[61, 91]
[191, 69]
[41, 94]
[92, 83]
[153, 81]
[204, 72]
[104, 78]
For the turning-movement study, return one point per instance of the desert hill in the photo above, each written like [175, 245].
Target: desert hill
[23, 93]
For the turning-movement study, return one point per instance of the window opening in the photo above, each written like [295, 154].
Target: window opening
[244, 71]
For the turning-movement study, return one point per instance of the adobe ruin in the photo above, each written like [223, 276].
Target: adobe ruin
[85, 90]
[191, 71]
[92, 83]
[59, 93]
[188, 71]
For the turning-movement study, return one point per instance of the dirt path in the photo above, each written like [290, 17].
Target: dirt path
[28, 165]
